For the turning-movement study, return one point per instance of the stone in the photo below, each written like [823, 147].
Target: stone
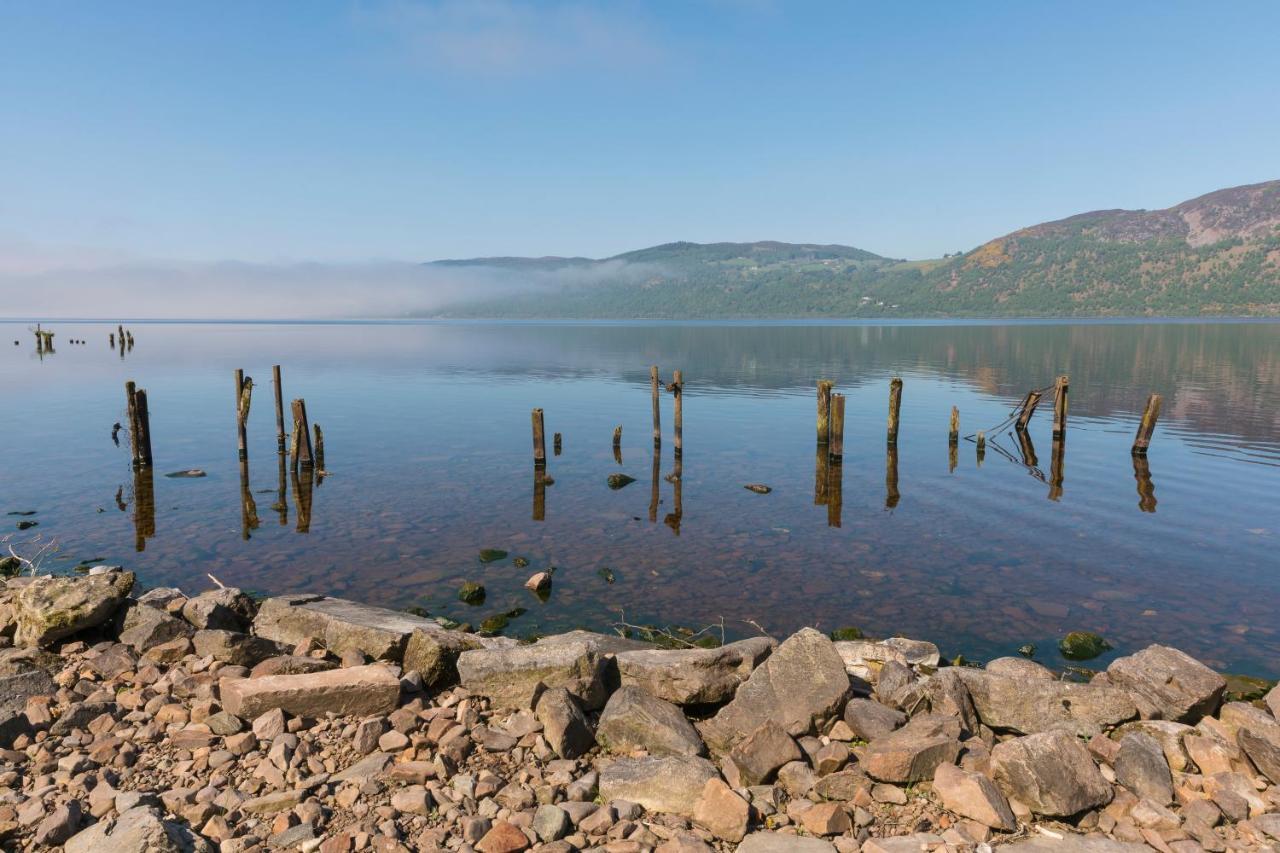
[1050, 772]
[415, 799]
[672, 784]
[290, 665]
[1023, 706]
[504, 837]
[1272, 701]
[843, 785]
[830, 758]
[913, 752]
[564, 724]
[801, 684]
[50, 608]
[60, 825]
[145, 626]
[359, 690]
[870, 719]
[137, 830]
[693, 676]
[1142, 768]
[797, 778]
[432, 652]
[973, 796]
[633, 719]
[233, 648]
[1082, 645]
[550, 823]
[781, 842]
[340, 625]
[511, 677]
[1072, 843]
[19, 681]
[894, 682]
[12, 725]
[864, 659]
[914, 843]
[1169, 735]
[755, 759]
[226, 609]
[722, 812]
[1262, 751]
[1167, 684]
[1021, 668]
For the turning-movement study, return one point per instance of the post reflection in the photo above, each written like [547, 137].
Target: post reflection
[281, 506]
[891, 493]
[654, 474]
[835, 492]
[1146, 488]
[144, 506]
[822, 463]
[1056, 460]
[676, 479]
[540, 480]
[303, 485]
[248, 506]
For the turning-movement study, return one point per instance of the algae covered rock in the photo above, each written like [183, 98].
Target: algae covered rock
[1082, 645]
[471, 592]
[50, 608]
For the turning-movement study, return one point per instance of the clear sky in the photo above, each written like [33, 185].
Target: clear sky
[358, 131]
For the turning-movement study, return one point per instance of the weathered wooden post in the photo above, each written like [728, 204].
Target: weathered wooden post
[895, 403]
[835, 442]
[1060, 408]
[539, 440]
[657, 409]
[953, 436]
[617, 444]
[144, 428]
[244, 398]
[824, 410]
[318, 447]
[835, 492]
[677, 388]
[112, 337]
[279, 392]
[1146, 488]
[302, 456]
[1147, 425]
[891, 493]
[131, 402]
[1028, 409]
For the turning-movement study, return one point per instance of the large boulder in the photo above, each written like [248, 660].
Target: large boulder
[1026, 706]
[754, 759]
[563, 723]
[802, 683]
[145, 626]
[362, 690]
[50, 608]
[512, 677]
[222, 609]
[342, 626]
[432, 651]
[137, 830]
[864, 659]
[1050, 772]
[694, 676]
[1141, 767]
[1167, 684]
[1263, 751]
[869, 719]
[913, 752]
[671, 784]
[633, 720]
[974, 796]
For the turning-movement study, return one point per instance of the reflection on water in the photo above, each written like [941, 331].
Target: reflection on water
[426, 427]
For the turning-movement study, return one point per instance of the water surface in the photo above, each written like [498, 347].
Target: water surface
[428, 461]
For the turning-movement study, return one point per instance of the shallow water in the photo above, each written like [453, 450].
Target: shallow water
[428, 458]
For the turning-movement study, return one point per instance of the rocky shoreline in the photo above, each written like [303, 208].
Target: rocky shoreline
[161, 722]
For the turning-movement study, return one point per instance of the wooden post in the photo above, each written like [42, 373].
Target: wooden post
[895, 403]
[891, 493]
[1147, 425]
[1029, 457]
[1060, 408]
[244, 398]
[1029, 404]
[295, 441]
[657, 409]
[539, 440]
[248, 506]
[279, 392]
[303, 456]
[835, 443]
[953, 457]
[303, 483]
[144, 428]
[318, 447]
[824, 410]
[677, 383]
[1146, 489]
[954, 435]
[112, 337]
[555, 444]
[131, 400]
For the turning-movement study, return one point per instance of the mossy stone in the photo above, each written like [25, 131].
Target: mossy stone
[618, 481]
[492, 555]
[847, 633]
[471, 592]
[1082, 645]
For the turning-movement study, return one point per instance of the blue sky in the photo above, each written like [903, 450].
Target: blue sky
[340, 131]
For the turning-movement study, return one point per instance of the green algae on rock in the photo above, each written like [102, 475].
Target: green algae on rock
[471, 592]
[1082, 645]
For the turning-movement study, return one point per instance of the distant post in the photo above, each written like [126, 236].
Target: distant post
[895, 404]
[677, 383]
[1147, 425]
[824, 410]
[835, 444]
[275, 380]
[1060, 408]
[657, 410]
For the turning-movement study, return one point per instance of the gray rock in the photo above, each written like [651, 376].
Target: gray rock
[670, 784]
[79, 715]
[138, 830]
[781, 842]
[1168, 734]
[550, 823]
[1023, 706]
[511, 677]
[60, 825]
[1070, 843]
[870, 719]
[1263, 751]
[974, 796]
[802, 683]
[432, 652]
[865, 658]
[290, 665]
[633, 720]
[225, 609]
[144, 626]
[563, 724]
[362, 690]
[945, 693]
[1167, 684]
[1021, 668]
[50, 608]
[1142, 768]
[694, 676]
[894, 682]
[1050, 772]
[754, 759]
[913, 752]
[607, 645]
[19, 681]
[233, 647]
[340, 625]
[1272, 701]
[161, 596]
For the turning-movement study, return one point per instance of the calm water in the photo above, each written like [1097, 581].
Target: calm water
[428, 454]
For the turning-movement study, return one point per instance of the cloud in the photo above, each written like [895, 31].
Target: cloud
[509, 37]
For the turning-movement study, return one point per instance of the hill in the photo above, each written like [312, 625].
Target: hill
[1216, 254]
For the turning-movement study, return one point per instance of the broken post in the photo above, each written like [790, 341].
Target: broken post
[539, 440]
[824, 410]
[835, 443]
[677, 388]
[1147, 425]
[1060, 408]
[657, 410]
[895, 403]
[144, 428]
[244, 397]
[302, 453]
[318, 447]
[1027, 409]
[279, 392]
[954, 435]
[131, 402]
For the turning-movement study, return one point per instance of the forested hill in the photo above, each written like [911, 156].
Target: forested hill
[1216, 254]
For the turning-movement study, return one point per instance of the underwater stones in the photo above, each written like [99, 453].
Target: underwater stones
[618, 481]
[492, 555]
[1082, 645]
[471, 592]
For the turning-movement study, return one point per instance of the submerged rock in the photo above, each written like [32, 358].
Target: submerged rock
[617, 481]
[492, 555]
[471, 593]
[758, 488]
[1082, 645]
[190, 473]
